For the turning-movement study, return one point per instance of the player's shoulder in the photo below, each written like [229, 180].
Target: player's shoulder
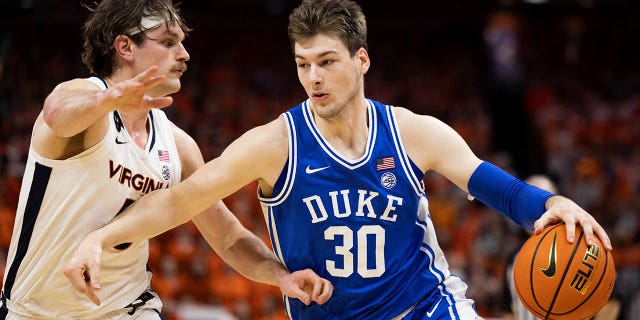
[273, 131]
[410, 119]
[188, 150]
[79, 83]
[269, 141]
[182, 138]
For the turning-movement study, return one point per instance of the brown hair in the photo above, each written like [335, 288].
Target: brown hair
[341, 18]
[111, 18]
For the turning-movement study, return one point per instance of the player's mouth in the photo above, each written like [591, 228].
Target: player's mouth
[319, 96]
[179, 70]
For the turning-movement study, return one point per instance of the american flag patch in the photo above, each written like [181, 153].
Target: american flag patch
[385, 163]
[163, 155]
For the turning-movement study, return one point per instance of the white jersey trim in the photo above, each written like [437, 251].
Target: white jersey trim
[334, 154]
[404, 159]
[291, 163]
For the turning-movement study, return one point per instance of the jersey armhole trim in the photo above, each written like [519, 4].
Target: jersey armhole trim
[292, 162]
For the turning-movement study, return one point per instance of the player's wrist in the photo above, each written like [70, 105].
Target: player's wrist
[105, 102]
[551, 201]
[96, 238]
[280, 273]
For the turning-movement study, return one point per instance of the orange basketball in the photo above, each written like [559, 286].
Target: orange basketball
[556, 279]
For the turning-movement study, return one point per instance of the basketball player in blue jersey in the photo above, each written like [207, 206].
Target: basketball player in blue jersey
[100, 144]
[340, 183]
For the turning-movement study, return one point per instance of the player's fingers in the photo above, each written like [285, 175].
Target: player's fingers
[300, 294]
[327, 291]
[295, 287]
[157, 103]
[542, 222]
[144, 76]
[94, 275]
[76, 276]
[154, 81]
[538, 226]
[92, 295]
[588, 232]
[316, 286]
[79, 278]
[570, 226]
[602, 235]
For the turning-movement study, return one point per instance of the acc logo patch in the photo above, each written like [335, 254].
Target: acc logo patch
[166, 173]
[388, 180]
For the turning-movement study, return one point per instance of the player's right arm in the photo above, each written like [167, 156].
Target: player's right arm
[240, 248]
[76, 112]
[255, 155]
[73, 108]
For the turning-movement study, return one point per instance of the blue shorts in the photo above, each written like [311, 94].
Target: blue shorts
[447, 302]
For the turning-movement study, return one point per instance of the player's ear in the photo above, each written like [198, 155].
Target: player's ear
[362, 58]
[123, 46]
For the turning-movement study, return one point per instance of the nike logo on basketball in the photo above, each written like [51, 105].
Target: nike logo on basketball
[550, 271]
[310, 171]
[120, 142]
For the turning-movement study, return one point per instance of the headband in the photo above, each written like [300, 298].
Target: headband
[149, 21]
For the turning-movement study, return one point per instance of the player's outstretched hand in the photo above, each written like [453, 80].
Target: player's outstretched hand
[306, 286]
[130, 95]
[83, 270]
[563, 209]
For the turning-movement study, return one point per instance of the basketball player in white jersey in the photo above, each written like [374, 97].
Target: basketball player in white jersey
[340, 181]
[99, 145]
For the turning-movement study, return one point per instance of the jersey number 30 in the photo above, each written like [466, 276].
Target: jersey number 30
[362, 236]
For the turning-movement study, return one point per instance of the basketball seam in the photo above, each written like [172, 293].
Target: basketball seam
[566, 269]
[531, 268]
[604, 272]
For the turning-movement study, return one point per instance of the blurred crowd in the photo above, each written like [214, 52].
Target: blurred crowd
[535, 90]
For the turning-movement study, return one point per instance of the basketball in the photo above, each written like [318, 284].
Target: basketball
[556, 279]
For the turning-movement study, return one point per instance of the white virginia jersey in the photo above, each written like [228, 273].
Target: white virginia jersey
[61, 201]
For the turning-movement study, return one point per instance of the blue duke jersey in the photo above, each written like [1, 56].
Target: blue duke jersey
[363, 224]
[62, 201]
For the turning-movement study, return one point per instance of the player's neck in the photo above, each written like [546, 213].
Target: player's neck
[137, 125]
[347, 132]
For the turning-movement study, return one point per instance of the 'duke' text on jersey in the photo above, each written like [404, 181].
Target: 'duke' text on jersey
[341, 204]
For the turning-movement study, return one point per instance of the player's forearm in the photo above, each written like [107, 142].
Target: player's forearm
[153, 214]
[254, 260]
[69, 112]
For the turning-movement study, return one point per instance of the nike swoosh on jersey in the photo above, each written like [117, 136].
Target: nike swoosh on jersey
[430, 313]
[308, 170]
[550, 271]
[121, 142]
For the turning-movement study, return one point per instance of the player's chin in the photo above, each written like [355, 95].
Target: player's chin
[171, 86]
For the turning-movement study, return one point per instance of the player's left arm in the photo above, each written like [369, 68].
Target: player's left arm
[239, 247]
[433, 145]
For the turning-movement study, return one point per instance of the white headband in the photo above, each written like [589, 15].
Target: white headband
[149, 22]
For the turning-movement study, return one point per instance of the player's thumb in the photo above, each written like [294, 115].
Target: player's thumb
[158, 103]
[92, 276]
[297, 292]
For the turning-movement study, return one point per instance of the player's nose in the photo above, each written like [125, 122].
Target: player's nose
[316, 74]
[183, 55]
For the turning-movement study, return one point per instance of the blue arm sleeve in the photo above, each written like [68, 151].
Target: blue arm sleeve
[521, 202]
